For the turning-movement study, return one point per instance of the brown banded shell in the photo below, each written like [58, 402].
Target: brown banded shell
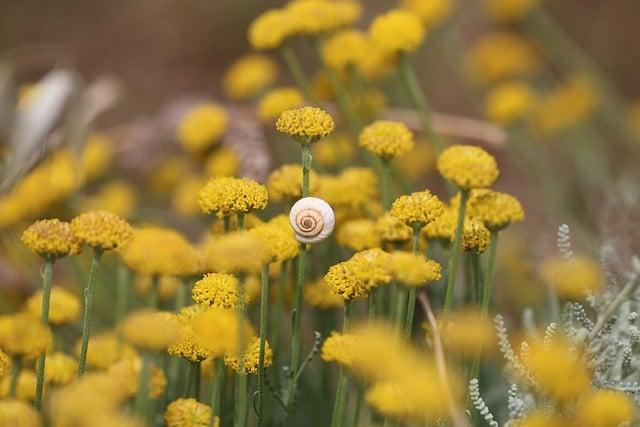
[312, 219]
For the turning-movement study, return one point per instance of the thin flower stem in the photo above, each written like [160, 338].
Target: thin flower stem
[276, 335]
[88, 311]
[411, 299]
[240, 221]
[240, 418]
[373, 299]
[122, 296]
[414, 91]
[341, 393]
[142, 398]
[297, 72]
[191, 379]
[47, 272]
[183, 294]
[359, 400]
[152, 301]
[295, 336]
[264, 307]
[384, 183]
[197, 380]
[400, 310]
[455, 251]
[306, 166]
[226, 223]
[16, 367]
[478, 276]
[216, 390]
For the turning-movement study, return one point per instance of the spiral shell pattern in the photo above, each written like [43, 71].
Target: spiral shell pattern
[312, 219]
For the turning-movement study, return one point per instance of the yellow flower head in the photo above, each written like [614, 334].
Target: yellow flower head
[278, 242]
[466, 332]
[25, 387]
[61, 369]
[14, 412]
[23, 336]
[105, 349]
[225, 196]
[222, 162]
[187, 345]
[500, 56]
[51, 238]
[573, 278]
[372, 267]
[352, 190]
[444, 226]
[285, 183]
[339, 348]
[413, 269]
[392, 229]
[96, 156]
[508, 10]
[318, 294]
[270, 29]
[249, 75]
[605, 408]
[250, 358]
[358, 234]
[202, 126]
[5, 364]
[237, 252]
[101, 230]
[149, 330]
[509, 102]
[156, 251]
[311, 17]
[127, 372]
[275, 102]
[468, 166]
[187, 413]
[216, 290]
[558, 370]
[496, 210]
[305, 124]
[344, 282]
[118, 197]
[432, 12]
[345, 48]
[64, 306]
[475, 236]
[397, 31]
[216, 330]
[386, 139]
[417, 209]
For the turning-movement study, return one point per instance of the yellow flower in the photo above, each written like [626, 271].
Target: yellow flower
[249, 75]
[237, 252]
[155, 251]
[222, 162]
[567, 105]
[605, 408]
[345, 48]
[185, 196]
[344, 282]
[101, 230]
[310, 17]
[318, 295]
[468, 166]
[496, 210]
[278, 242]
[16, 413]
[559, 371]
[105, 349]
[305, 124]
[61, 369]
[275, 102]
[339, 348]
[386, 139]
[188, 413]
[25, 387]
[202, 126]
[127, 371]
[509, 102]
[358, 234]
[51, 238]
[250, 358]
[432, 12]
[573, 278]
[372, 267]
[475, 236]
[392, 229]
[397, 31]
[413, 269]
[96, 156]
[168, 287]
[149, 330]
[64, 306]
[502, 55]
[417, 209]
[352, 190]
[225, 196]
[5, 364]
[466, 332]
[443, 227]
[217, 330]
[216, 290]
[271, 29]
[187, 345]
[285, 183]
[118, 197]
[23, 336]
[508, 10]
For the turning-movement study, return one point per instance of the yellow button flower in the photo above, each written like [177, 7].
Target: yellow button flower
[216, 290]
[605, 408]
[468, 166]
[345, 48]
[188, 413]
[392, 229]
[339, 348]
[64, 306]
[397, 31]
[358, 234]
[412, 269]
[51, 238]
[386, 139]
[417, 209]
[250, 358]
[285, 183]
[306, 124]
[278, 242]
[277, 101]
[102, 230]
[311, 17]
[509, 102]
[373, 267]
[149, 330]
[344, 282]
[23, 336]
[61, 369]
[475, 236]
[270, 30]
[14, 412]
[249, 75]
[202, 126]
[5, 364]
[495, 209]
[318, 295]
[432, 12]
[573, 278]
[225, 196]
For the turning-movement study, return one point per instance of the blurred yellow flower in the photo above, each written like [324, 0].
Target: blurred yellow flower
[236, 252]
[270, 30]
[372, 267]
[312, 17]
[431, 12]
[276, 101]
[285, 183]
[97, 155]
[386, 139]
[339, 348]
[509, 102]
[222, 162]
[61, 369]
[345, 48]
[413, 269]
[392, 229]
[574, 278]
[358, 234]
[202, 126]
[396, 31]
[250, 358]
[185, 196]
[5, 364]
[105, 349]
[468, 166]
[605, 408]
[14, 412]
[249, 75]
[418, 162]
[127, 372]
[318, 295]
[188, 413]
[23, 336]
[25, 386]
[217, 330]
[149, 330]
[466, 332]
[117, 196]
[278, 242]
[64, 306]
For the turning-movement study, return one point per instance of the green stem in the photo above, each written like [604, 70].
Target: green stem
[16, 367]
[416, 94]
[226, 223]
[191, 379]
[143, 387]
[196, 382]
[240, 221]
[478, 276]
[411, 298]
[359, 400]
[341, 393]
[216, 391]
[306, 166]
[47, 273]
[152, 299]
[183, 294]
[240, 419]
[297, 72]
[122, 297]
[264, 307]
[400, 310]
[384, 183]
[280, 315]
[455, 251]
[295, 335]
[88, 311]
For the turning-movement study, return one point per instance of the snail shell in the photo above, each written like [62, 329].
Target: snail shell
[312, 219]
